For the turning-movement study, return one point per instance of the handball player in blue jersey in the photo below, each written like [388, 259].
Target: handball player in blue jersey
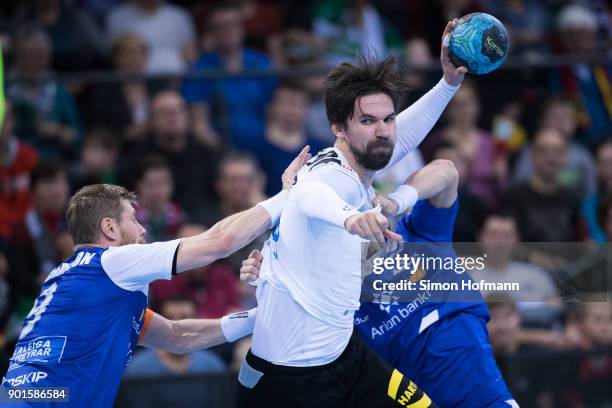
[442, 346]
[92, 310]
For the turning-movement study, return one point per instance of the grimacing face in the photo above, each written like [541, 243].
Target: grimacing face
[371, 132]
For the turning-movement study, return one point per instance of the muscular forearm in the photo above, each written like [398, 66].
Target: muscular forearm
[229, 234]
[184, 336]
[196, 334]
[437, 182]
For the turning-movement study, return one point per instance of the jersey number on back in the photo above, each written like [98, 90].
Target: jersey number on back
[39, 308]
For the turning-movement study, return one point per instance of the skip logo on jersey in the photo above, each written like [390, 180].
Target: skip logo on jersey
[28, 378]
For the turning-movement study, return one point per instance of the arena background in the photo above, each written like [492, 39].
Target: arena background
[134, 92]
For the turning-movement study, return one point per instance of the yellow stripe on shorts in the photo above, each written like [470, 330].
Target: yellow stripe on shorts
[394, 383]
[424, 402]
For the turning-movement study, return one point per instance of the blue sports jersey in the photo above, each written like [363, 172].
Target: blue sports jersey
[439, 354]
[85, 324]
[390, 328]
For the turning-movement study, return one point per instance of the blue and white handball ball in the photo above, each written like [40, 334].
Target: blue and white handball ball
[479, 42]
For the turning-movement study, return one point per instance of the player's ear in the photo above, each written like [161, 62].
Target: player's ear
[338, 129]
[109, 228]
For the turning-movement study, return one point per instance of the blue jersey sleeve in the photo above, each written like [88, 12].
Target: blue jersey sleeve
[427, 223]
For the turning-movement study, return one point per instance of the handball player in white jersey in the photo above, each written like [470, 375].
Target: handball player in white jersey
[304, 351]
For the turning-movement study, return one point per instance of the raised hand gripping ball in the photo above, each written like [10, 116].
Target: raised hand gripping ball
[479, 42]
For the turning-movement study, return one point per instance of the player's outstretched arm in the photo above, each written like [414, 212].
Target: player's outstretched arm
[236, 231]
[416, 121]
[437, 182]
[184, 336]
[318, 200]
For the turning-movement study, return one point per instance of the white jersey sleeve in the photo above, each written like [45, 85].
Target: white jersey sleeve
[133, 267]
[415, 122]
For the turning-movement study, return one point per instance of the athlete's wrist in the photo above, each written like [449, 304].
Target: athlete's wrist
[237, 325]
[405, 196]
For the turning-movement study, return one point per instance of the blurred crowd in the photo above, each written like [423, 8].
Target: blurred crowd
[533, 146]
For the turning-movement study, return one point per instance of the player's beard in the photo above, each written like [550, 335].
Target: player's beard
[376, 154]
[126, 239]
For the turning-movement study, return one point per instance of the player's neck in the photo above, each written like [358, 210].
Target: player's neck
[365, 175]
[101, 243]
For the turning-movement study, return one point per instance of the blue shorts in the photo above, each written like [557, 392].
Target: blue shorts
[452, 361]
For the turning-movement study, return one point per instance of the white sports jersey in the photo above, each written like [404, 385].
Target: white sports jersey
[312, 260]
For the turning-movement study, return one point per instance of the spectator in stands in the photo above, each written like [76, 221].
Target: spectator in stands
[98, 160]
[472, 209]
[417, 54]
[78, 41]
[527, 22]
[192, 164]
[166, 28]
[578, 173]
[595, 229]
[262, 21]
[588, 85]
[156, 212]
[285, 133]
[545, 211]
[590, 323]
[41, 241]
[231, 109]
[45, 114]
[6, 307]
[17, 160]
[239, 185]
[605, 217]
[353, 27]
[487, 163]
[214, 289]
[498, 238]
[505, 324]
[506, 333]
[128, 113]
[5, 291]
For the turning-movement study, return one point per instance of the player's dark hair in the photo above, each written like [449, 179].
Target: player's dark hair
[46, 170]
[89, 205]
[346, 83]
